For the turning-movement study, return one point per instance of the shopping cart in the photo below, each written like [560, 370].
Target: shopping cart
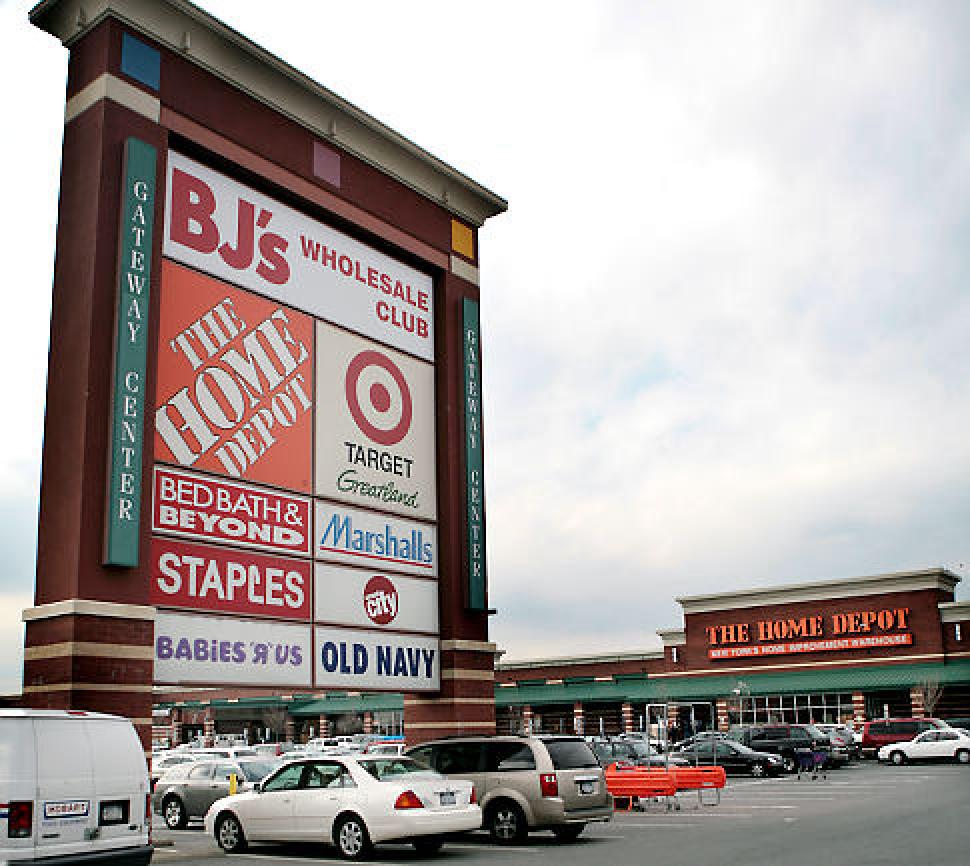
[811, 761]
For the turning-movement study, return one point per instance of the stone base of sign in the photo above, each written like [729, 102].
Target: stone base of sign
[91, 655]
[466, 702]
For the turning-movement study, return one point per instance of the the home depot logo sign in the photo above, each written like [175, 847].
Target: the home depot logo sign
[235, 382]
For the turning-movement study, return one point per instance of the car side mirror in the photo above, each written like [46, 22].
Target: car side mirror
[258, 787]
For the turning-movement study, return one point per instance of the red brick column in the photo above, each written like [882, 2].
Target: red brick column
[858, 708]
[324, 727]
[176, 727]
[526, 719]
[722, 714]
[579, 718]
[627, 713]
[466, 703]
[91, 655]
[209, 723]
[916, 700]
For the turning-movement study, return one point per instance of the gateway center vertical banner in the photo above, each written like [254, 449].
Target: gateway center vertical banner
[131, 348]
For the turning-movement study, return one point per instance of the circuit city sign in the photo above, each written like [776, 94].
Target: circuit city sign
[294, 492]
[851, 630]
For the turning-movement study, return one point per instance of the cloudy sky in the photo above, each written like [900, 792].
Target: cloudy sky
[726, 317]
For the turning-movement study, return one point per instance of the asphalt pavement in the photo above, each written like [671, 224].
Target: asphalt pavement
[864, 815]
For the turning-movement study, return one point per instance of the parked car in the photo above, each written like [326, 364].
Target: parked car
[843, 739]
[700, 737]
[186, 791]
[526, 783]
[938, 744]
[74, 786]
[394, 749]
[163, 762]
[349, 802]
[784, 740]
[232, 752]
[631, 752]
[734, 757]
[881, 732]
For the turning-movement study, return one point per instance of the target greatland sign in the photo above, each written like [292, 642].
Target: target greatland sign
[375, 425]
[294, 387]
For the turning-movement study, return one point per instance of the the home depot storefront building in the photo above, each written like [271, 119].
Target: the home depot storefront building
[826, 651]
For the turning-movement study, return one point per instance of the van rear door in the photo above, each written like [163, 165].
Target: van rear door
[120, 782]
[17, 787]
[64, 809]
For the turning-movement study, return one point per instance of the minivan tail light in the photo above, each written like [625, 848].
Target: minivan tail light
[148, 816]
[473, 799]
[408, 800]
[549, 785]
[20, 820]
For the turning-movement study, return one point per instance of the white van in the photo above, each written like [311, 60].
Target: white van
[75, 789]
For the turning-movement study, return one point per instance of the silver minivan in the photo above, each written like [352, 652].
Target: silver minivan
[526, 783]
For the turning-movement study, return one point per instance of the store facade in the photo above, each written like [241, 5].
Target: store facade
[840, 650]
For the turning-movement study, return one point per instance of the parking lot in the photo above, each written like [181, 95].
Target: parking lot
[862, 814]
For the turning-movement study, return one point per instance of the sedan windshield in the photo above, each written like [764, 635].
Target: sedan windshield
[388, 769]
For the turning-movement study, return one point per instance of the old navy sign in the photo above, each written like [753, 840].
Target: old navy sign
[347, 658]
[229, 230]
[124, 480]
[357, 537]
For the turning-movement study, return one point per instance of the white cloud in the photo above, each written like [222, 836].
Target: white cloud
[725, 316]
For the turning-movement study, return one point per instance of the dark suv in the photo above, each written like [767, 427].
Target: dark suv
[785, 741]
[526, 783]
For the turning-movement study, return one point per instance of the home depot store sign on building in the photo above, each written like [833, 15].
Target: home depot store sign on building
[286, 385]
[855, 629]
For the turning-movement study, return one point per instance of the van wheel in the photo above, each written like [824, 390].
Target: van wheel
[963, 756]
[506, 823]
[568, 832]
[351, 838]
[229, 834]
[898, 758]
[758, 770]
[174, 812]
[788, 763]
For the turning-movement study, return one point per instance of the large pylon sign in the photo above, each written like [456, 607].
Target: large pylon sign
[263, 456]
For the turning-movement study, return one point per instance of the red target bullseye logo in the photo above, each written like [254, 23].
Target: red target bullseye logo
[378, 397]
[380, 600]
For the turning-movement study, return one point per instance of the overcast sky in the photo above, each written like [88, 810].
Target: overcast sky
[726, 319]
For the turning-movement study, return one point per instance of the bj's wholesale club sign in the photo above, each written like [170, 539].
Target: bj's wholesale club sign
[237, 234]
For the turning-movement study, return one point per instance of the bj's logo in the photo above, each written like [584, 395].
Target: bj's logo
[380, 600]
[193, 225]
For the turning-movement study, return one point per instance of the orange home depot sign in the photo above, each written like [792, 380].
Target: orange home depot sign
[235, 382]
[851, 630]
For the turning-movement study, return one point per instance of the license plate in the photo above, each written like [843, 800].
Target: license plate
[112, 813]
[448, 798]
[587, 787]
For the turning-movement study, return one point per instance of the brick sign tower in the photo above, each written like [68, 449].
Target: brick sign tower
[263, 449]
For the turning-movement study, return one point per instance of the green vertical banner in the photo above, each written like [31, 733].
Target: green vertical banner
[124, 481]
[474, 462]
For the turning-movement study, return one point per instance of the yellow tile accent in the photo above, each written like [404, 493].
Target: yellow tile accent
[462, 240]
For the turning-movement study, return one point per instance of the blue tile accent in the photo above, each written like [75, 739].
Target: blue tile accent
[140, 61]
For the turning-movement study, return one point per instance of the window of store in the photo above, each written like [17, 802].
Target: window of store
[830, 707]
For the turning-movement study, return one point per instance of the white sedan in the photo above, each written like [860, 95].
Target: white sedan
[935, 744]
[351, 802]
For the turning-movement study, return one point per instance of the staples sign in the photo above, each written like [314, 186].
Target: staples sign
[231, 231]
